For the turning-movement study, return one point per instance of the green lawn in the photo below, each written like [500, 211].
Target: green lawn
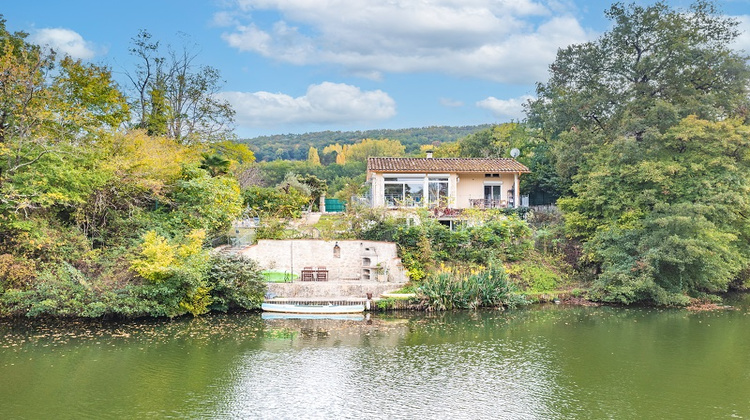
[278, 276]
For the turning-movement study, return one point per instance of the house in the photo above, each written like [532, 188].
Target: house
[454, 183]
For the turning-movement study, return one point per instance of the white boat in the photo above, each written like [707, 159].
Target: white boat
[312, 309]
[338, 317]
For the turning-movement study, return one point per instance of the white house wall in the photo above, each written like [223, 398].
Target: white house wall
[470, 186]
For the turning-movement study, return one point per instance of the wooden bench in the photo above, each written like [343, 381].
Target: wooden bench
[315, 274]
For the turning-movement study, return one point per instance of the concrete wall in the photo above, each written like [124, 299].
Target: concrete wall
[357, 259]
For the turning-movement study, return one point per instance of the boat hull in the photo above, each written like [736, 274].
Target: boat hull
[312, 309]
[337, 317]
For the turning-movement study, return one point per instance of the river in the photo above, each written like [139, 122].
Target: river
[540, 362]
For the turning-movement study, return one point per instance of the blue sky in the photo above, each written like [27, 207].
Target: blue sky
[295, 66]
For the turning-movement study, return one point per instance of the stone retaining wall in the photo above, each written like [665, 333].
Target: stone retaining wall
[328, 290]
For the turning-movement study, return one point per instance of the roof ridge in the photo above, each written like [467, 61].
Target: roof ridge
[436, 158]
[450, 164]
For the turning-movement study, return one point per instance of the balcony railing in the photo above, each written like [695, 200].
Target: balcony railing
[398, 200]
[483, 203]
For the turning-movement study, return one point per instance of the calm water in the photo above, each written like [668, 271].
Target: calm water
[551, 362]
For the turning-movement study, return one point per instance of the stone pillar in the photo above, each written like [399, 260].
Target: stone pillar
[322, 205]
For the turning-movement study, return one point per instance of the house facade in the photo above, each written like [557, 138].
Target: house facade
[455, 183]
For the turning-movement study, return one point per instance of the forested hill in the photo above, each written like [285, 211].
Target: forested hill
[296, 146]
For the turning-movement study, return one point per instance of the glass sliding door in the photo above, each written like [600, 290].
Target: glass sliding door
[413, 192]
[437, 188]
[492, 196]
[393, 193]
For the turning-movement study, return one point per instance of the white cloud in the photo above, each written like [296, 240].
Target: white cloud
[223, 19]
[505, 108]
[325, 103]
[64, 41]
[500, 40]
[451, 103]
[743, 41]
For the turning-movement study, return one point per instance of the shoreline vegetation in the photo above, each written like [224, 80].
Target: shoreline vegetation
[114, 198]
[493, 262]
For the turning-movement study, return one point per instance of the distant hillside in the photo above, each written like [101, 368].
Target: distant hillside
[296, 146]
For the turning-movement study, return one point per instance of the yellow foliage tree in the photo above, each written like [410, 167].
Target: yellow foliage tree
[151, 162]
[179, 268]
[156, 261]
[312, 157]
[337, 149]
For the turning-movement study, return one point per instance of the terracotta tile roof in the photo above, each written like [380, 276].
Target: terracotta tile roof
[488, 165]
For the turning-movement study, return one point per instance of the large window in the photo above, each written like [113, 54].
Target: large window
[404, 191]
[437, 188]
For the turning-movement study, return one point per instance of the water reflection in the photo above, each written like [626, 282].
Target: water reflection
[333, 370]
[541, 362]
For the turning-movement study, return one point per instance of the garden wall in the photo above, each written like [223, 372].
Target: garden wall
[365, 261]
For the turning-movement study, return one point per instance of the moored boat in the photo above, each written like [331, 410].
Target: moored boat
[312, 309]
[337, 317]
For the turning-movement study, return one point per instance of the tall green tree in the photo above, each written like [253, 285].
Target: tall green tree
[670, 219]
[656, 66]
[495, 141]
[23, 69]
[647, 127]
[51, 112]
[88, 101]
[318, 188]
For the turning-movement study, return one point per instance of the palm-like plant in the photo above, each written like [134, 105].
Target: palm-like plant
[215, 164]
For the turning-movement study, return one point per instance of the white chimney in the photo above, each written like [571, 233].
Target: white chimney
[429, 154]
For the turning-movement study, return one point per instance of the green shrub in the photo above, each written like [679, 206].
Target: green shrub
[235, 282]
[386, 304]
[275, 202]
[534, 276]
[204, 202]
[447, 290]
[272, 229]
[61, 290]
